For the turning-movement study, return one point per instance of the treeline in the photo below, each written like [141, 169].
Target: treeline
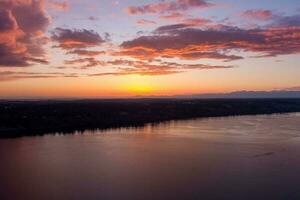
[25, 118]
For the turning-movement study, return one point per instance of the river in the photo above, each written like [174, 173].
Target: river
[245, 157]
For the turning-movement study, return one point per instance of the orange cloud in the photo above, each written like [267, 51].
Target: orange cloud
[11, 75]
[77, 42]
[181, 41]
[154, 68]
[88, 53]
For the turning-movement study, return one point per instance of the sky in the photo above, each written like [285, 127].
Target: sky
[103, 48]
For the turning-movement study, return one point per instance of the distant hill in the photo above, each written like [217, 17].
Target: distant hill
[244, 95]
[275, 94]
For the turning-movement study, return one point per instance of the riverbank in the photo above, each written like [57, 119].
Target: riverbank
[30, 118]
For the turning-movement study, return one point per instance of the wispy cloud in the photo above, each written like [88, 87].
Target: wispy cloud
[167, 6]
[154, 68]
[12, 75]
[173, 16]
[145, 22]
[259, 14]
[85, 62]
[89, 53]
[61, 5]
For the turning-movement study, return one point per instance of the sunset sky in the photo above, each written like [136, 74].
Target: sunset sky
[104, 48]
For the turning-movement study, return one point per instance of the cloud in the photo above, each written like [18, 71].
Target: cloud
[93, 18]
[59, 5]
[7, 21]
[185, 42]
[191, 22]
[292, 89]
[135, 72]
[77, 38]
[276, 19]
[287, 21]
[197, 21]
[172, 16]
[115, 3]
[78, 42]
[10, 58]
[154, 68]
[85, 62]
[22, 27]
[167, 6]
[88, 53]
[208, 55]
[12, 75]
[172, 27]
[145, 22]
[258, 14]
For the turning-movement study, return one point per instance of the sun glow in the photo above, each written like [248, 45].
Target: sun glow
[139, 86]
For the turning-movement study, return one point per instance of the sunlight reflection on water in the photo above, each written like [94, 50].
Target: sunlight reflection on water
[270, 127]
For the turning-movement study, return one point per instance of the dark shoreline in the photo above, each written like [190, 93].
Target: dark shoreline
[34, 118]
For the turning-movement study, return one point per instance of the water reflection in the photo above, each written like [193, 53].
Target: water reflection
[250, 157]
[269, 127]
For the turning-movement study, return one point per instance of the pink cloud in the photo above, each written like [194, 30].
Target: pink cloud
[145, 22]
[258, 14]
[172, 16]
[167, 6]
[23, 24]
[197, 21]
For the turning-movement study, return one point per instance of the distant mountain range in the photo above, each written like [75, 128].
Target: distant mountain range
[244, 94]
[291, 93]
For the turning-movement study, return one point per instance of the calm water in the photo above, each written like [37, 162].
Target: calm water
[249, 157]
